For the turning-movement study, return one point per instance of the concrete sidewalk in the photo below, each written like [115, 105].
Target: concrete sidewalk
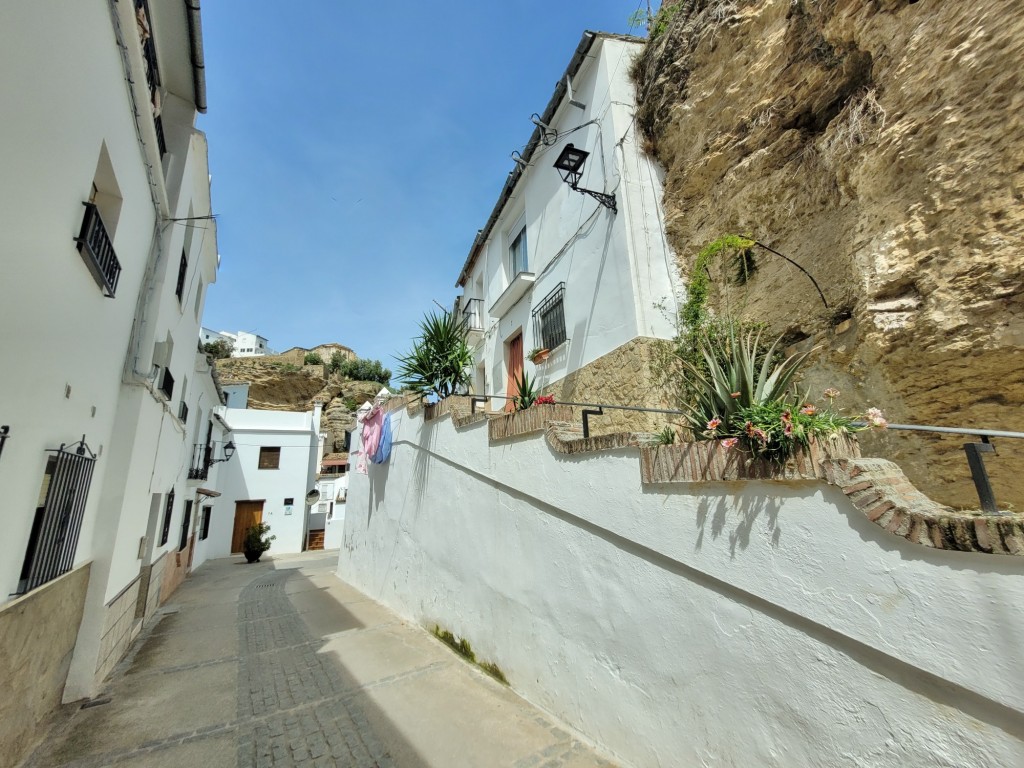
[282, 664]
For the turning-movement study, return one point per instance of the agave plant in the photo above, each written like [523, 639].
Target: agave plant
[441, 359]
[739, 376]
[526, 394]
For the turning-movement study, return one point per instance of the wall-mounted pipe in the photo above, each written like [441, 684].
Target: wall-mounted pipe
[195, 37]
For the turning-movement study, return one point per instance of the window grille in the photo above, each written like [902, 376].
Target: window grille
[5, 432]
[183, 540]
[549, 319]
[58, 518]
[98, 251]
[168, 510]
[167, 384]
[204, 531]
[179, 289]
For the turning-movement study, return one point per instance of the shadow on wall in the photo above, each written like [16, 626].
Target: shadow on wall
[749, 509]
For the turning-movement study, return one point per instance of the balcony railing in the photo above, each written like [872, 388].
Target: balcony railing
[161, 142]
[473, 315]
[97, 250]
[200, 467]
[5, 432]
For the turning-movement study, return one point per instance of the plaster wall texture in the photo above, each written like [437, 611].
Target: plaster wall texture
[48, 173]
[242, 480]
[98, 385]
[37, 635]
[615, 267]
[657, 619]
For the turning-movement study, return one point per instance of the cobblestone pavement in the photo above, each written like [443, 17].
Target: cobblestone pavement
[282, 665]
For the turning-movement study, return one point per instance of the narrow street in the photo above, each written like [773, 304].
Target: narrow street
[282, 664]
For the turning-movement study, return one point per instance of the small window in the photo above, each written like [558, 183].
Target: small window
[179, 289]
[168, 511]
[204, 531]
[270, 458]
[185, 521]
[549, 319]
[517, 251]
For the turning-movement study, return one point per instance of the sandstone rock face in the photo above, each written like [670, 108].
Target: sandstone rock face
[881, 146]
[278, 385]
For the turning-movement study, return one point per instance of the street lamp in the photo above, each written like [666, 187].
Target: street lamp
[570, 164]
[229, 451]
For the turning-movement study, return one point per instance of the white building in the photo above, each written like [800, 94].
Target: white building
[243, 343]
[328, 515]
[106, 223]
[267, 481]
[555, 267]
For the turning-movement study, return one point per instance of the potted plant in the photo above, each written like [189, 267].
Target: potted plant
[256, 542]
[539, 354]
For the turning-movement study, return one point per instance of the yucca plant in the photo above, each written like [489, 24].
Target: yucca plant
[441, 359]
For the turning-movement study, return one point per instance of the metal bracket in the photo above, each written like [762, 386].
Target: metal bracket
[587, 413]
[5, 432]
[608, 201]
[473, 400]
[979, 474]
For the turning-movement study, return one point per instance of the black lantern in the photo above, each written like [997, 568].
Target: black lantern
[570, 164]
[229, 451]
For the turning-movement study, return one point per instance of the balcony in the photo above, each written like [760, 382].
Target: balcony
[97, 251]
[517, 288]
[473, 317]
[199, 469]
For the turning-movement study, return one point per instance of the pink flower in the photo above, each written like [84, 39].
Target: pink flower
[734, 395]
[729, 442]
[877, 419]
[545, 400]
[787, 416]
[714, 423]
[788, 429]
[749, 428]
[808, 410]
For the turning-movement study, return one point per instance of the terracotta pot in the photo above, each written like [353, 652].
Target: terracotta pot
[541, 356]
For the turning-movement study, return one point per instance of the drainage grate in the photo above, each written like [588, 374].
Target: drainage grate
[263, 586]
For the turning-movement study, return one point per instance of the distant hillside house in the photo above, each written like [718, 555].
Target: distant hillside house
[243, 343]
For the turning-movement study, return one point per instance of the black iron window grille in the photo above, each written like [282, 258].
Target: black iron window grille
[183, 412]
[168, 510]
[167, 384]
[200, 467]
[5, 432]
[204, 530]
[58, 518]
[549, 319]
[473, 314]
[98, 251]
[161, 140]
[179, 289]
[185, 520]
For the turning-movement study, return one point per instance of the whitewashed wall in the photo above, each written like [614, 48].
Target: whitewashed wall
[616, 267]
[241, 479]
[716, 624]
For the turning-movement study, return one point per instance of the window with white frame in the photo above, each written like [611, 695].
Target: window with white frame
[517, 250]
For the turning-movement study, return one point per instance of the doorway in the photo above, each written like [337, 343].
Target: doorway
[515, 368]
[247, 513]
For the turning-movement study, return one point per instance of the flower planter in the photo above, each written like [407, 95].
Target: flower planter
[711, 461]
[540, 357]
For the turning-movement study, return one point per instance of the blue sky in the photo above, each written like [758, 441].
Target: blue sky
[357, 148]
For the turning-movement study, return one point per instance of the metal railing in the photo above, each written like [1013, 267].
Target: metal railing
[5, 432]
[473, 315]
[97, 250]
[202, 456]
[183, 412]
[549, 318]
[161, 140]
[975, 450]
[57, 523]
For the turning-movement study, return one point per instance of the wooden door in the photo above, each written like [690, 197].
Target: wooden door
[515, 369]
[247, 513]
